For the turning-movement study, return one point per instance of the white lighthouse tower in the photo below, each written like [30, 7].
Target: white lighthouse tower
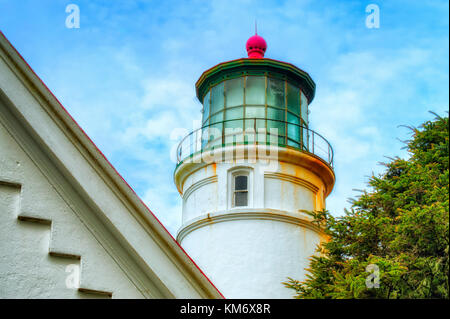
[248, 175]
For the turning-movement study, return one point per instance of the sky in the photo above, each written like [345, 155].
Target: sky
[127, 75]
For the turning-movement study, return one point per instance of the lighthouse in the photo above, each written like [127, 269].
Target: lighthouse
[251, 173]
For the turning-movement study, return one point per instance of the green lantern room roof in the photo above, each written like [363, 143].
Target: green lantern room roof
[263, 66]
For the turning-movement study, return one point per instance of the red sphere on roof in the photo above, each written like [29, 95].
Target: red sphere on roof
[256, 47]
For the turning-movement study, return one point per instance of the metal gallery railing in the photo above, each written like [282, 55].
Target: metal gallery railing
[255, 131]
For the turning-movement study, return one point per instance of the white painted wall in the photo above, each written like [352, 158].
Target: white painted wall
[251, 258]
[288, 196]
[27, 270]
[52, 173]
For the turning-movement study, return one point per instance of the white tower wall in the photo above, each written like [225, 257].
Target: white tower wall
[249, 251]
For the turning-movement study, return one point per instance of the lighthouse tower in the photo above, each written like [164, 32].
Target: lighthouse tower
[250, 173]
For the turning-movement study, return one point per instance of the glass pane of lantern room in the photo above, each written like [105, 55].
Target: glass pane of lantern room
[293, 99]
[293, 143]
[215, 135]
[205, 136]
[294, 128]
[276, 132]
[304, 108]
[255, 90]
[206, 101]
[275, 92]
[250, 131]
[234, 113]
[233, 131]
[275, 114]
[234, 92]
[217, 98]
[255, 131]
[216, 118]
[255, 112]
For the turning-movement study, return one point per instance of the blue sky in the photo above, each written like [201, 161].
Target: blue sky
[127, 75]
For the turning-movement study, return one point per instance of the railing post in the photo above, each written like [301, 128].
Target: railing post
[301, 136]
[255, 136]
[223, 131]
[199, 140]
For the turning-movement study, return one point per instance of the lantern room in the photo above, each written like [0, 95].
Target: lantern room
[251, 101]
[255, 100]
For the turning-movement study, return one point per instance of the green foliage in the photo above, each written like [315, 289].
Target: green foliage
[401, 226]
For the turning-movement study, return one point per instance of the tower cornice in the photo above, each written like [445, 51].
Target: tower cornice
[297, 218]
[247, 66]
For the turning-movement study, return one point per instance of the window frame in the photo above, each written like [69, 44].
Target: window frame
[232, 175]
[240, 191]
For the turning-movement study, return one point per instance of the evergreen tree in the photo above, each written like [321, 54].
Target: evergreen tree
[400, 228]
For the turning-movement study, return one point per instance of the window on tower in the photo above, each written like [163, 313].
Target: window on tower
[240, 196]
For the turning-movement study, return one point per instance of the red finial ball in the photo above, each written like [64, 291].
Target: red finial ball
[256, 47]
